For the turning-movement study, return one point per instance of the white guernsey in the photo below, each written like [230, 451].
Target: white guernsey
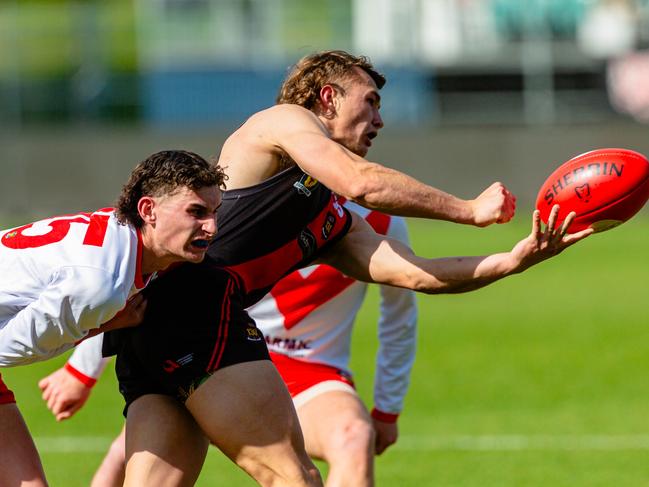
[309, 316]
[60, 278]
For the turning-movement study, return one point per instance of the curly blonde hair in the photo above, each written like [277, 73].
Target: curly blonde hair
[312, 72]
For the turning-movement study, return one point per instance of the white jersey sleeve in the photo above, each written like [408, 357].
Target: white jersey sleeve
[62, 277]
[397, 338]
[76, 300]
[87, 358]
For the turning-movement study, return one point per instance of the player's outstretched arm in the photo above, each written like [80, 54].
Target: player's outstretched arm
[301, 135]
[366, 256]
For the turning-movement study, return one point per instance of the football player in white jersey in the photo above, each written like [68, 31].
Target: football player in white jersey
[307, 320]
[66, 278]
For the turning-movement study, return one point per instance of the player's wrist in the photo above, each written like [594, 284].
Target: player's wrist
[383, 416]
[473, 212]
[86, 380]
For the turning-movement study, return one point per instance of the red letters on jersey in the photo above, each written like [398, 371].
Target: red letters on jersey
[59, 228]
[297, 296]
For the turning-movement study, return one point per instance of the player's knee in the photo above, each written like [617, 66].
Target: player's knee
[354, 440]
[117, 448]
[280, 467]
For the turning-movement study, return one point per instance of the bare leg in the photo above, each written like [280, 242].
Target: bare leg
[164, 446]
[111, 471]
[338, 429]
[19, 461]
[247, 412]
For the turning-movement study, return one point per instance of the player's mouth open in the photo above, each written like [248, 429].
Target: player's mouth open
[200, 243]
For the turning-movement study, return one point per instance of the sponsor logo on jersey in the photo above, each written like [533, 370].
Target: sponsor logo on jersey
[170, 366]
[307, 242]
[288, 343]
[328, 225]
[253, 334]
[305, 185]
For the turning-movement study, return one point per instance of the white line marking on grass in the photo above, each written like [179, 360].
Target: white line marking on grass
[495, 443]
[72, 444]
[525, 442]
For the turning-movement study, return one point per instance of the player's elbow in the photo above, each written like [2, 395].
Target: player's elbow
[421, 282]
[366, 188]
[359, 191]
[425, 283]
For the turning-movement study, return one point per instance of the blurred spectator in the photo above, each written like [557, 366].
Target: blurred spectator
[608, 29]
[628, 84]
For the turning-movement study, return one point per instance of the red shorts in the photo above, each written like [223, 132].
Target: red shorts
[300, 376]
[6, 396]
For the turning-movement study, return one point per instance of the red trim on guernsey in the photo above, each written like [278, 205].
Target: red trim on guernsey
[264, 271]
[297, 296]
[384, 417]
[380, 222]
[224, 325]
[6, 396]
[140, 280]
[80, 376]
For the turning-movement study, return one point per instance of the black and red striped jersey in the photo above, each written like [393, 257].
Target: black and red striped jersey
[268, 230]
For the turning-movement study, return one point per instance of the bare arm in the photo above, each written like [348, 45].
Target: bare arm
[366, 256]
[300, 134]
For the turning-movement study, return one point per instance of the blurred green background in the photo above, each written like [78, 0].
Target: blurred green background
[477, 90]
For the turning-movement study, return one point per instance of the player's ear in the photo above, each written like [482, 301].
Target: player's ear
[327, 99]
[146, 209]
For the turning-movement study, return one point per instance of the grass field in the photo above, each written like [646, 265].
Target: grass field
[538, 380]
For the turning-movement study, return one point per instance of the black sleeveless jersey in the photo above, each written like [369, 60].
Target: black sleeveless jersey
[268, 230]
[264, 232]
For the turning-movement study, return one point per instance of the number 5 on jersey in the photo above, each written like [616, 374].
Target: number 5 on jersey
[57, 229]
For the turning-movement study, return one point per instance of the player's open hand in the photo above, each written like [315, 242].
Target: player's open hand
[494, 205]
[63, 393]
[542, 243]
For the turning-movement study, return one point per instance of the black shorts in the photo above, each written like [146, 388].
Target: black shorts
[195, 324]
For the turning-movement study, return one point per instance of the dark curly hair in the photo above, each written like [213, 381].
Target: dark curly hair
[312, 72]
[163, 173]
